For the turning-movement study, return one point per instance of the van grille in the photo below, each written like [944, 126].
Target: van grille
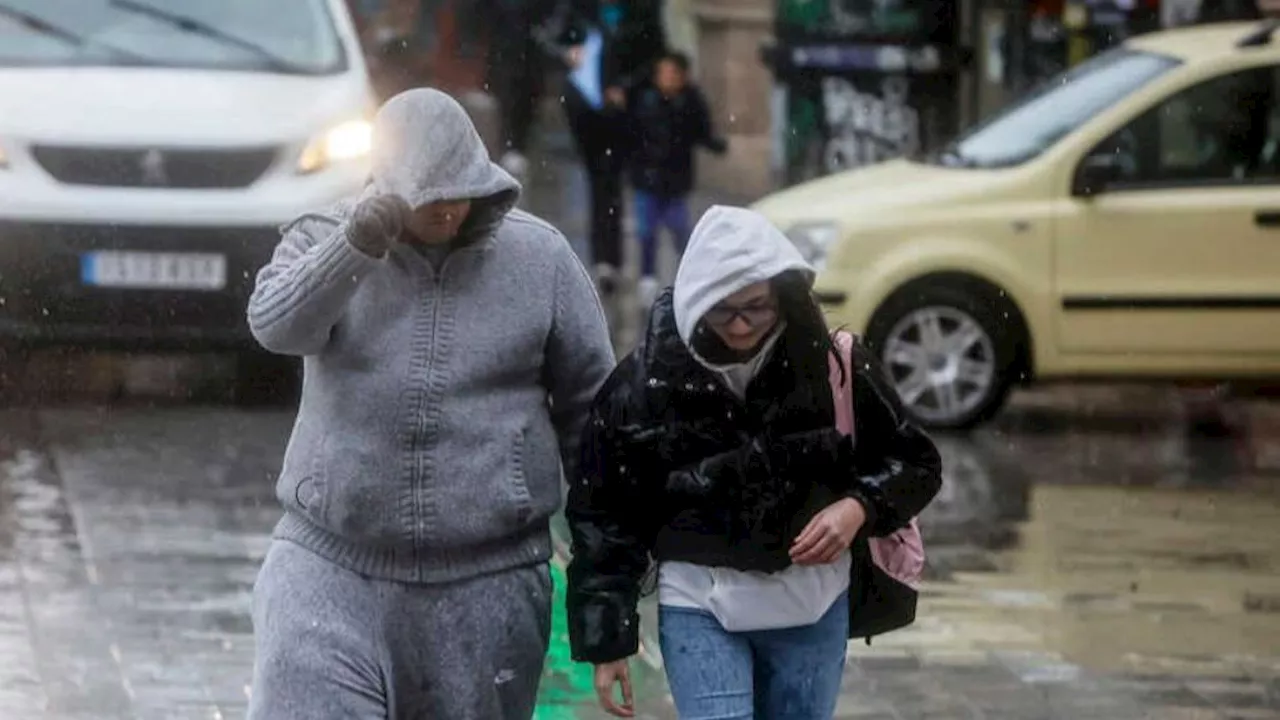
[155, 167]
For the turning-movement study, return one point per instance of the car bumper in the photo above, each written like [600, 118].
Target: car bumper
[45, 299]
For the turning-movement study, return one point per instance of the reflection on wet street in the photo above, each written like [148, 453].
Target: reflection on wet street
[1114, 542]
[1098, 553]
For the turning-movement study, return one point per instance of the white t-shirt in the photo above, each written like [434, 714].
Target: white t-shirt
[746, 601]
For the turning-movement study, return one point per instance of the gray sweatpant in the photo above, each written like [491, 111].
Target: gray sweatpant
[334, 644]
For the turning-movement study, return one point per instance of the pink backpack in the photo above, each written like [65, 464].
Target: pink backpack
[899, 557]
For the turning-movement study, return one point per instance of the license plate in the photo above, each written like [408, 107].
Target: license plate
[154, 270]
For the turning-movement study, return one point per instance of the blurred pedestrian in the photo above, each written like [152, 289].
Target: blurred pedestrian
[516, 74]
[714, 450]
[608, 48]
[451, 348]
[669, 118]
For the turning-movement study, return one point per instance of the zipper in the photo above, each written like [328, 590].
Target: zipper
[437, 279]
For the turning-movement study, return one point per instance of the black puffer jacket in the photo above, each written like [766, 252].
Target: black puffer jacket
[675, 467]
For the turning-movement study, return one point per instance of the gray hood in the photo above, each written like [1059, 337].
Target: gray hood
[730, 248]
[426, 149]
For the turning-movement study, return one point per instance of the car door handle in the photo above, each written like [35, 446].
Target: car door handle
[1267, 218]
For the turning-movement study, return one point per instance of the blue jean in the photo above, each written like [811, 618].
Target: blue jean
[789, 674]
[654, 212]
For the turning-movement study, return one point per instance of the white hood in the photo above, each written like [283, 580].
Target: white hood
[730, 248]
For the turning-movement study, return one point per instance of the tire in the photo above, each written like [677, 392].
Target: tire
[963, 380]
[263, 379]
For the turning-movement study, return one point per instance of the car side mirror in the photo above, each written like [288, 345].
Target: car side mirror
[1096, 172]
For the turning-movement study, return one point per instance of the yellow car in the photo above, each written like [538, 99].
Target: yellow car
[1122, 221]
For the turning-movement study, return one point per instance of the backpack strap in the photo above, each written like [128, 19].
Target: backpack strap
[841, 379]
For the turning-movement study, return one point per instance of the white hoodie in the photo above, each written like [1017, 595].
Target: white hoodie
[729, 250]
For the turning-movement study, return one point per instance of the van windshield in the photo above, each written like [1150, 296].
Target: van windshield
[1045, 115]
[286, 36]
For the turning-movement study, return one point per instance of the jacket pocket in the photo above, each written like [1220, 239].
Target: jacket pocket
[519, 500]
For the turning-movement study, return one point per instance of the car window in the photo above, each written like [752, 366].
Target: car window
[1223, 130]
[1061, 104]
[293, 36]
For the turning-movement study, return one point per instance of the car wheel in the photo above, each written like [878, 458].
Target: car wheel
[264, 379]
[947, 352]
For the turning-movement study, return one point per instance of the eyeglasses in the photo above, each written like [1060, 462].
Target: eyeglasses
[754, 314]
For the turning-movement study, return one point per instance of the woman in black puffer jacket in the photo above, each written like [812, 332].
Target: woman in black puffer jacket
[713, 451]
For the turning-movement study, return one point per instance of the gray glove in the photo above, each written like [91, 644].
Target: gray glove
[376, 223]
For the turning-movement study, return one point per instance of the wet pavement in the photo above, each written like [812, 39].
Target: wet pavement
[1090, 558]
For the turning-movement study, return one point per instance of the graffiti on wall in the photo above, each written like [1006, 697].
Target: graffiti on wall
[865, 128]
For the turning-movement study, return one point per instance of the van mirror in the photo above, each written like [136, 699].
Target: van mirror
[1096, 172]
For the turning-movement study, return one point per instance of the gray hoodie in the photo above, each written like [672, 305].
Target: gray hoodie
[438, 406]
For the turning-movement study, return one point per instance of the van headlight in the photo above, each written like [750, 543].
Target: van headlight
[350, 140]
[814, 241]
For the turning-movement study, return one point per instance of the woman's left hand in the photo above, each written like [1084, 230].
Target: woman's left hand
[829, 533]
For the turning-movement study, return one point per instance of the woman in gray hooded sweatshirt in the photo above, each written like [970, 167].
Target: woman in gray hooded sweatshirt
[451, 348]
[713, 451]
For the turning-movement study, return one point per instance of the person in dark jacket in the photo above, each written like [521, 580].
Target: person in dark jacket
[516, 74]
[608, 47]
[669, 118]
[712, 450]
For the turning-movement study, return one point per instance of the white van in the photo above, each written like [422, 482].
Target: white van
[149, 152]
